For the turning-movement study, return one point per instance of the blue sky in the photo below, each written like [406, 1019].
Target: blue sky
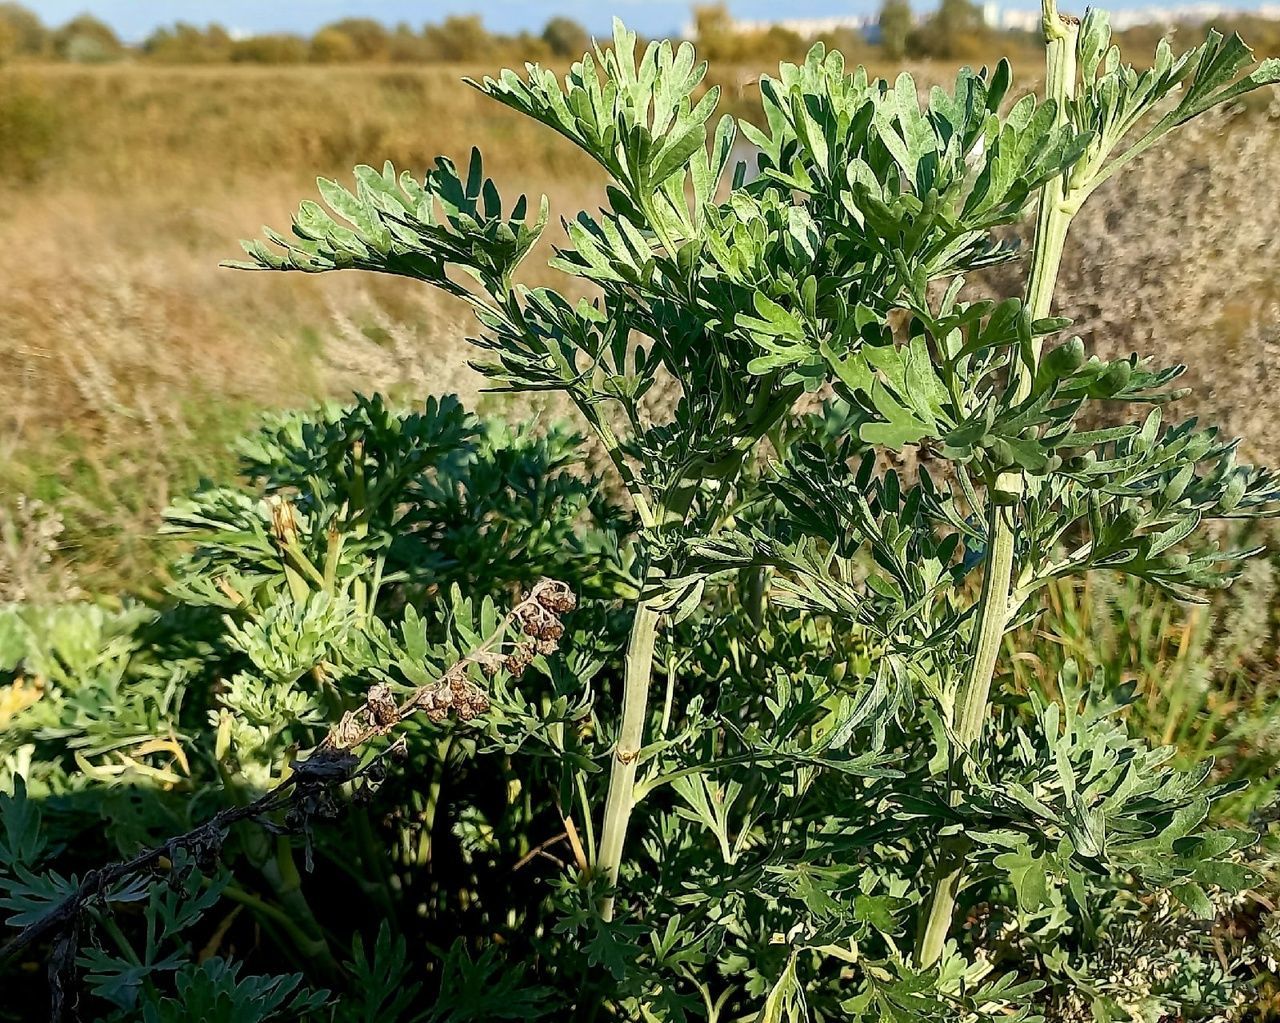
[134, 19]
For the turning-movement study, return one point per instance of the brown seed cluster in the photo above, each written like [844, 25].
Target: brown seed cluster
[539, 618]
[555, 596]
[381, 705]
[455, 693]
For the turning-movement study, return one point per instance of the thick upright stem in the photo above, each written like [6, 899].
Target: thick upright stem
[637, 674]
[994, 610]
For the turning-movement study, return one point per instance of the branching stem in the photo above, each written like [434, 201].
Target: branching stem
[994, 607]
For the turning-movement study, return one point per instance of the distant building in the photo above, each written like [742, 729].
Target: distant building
[1020, 20]
[1006, 19]
[810, 26]
[994, 16]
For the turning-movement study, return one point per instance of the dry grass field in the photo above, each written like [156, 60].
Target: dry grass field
[128, 357]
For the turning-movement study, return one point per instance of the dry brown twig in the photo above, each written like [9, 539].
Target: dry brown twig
[307, 790]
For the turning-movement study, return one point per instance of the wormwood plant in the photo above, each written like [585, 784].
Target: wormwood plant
[834, 809]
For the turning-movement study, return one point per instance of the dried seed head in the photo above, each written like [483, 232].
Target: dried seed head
[381, 705]
[489, 662]
[346, 733]
[326, 806]
[429, 701]
[519, 659]
[457, 683]
[470, 702]
[539, 623]
[555, 596]
[205, 846]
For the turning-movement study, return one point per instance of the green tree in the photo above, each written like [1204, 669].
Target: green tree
[87, 40]
[405, 46]
[25, 33]
[332, 46]
[566, 37]
[896, 21]
[188, 44]
[459, 38]
[370, 40]
[715, 33]
[954, 30]
[276, 48]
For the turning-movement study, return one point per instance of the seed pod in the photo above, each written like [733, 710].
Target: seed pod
[531, 618]
[489, 663]
[381, 705]
[519, 659]
[555, 596]
[433, 706]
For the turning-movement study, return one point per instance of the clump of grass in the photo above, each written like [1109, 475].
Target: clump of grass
[1206, 675]
[30, 537]
[30, 129]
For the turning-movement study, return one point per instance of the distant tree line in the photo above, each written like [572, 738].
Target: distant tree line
[458, 38]
[955, 30]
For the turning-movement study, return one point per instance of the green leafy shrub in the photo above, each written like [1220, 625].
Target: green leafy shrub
[30, 129]
[766, 768]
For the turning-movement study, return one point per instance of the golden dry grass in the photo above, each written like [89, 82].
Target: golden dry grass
[127, 357]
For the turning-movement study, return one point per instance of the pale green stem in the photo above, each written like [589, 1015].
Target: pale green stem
[637, 676]
[281, 873]
[588, 823]
[636, 681]
[426, 841]
[994, 607]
